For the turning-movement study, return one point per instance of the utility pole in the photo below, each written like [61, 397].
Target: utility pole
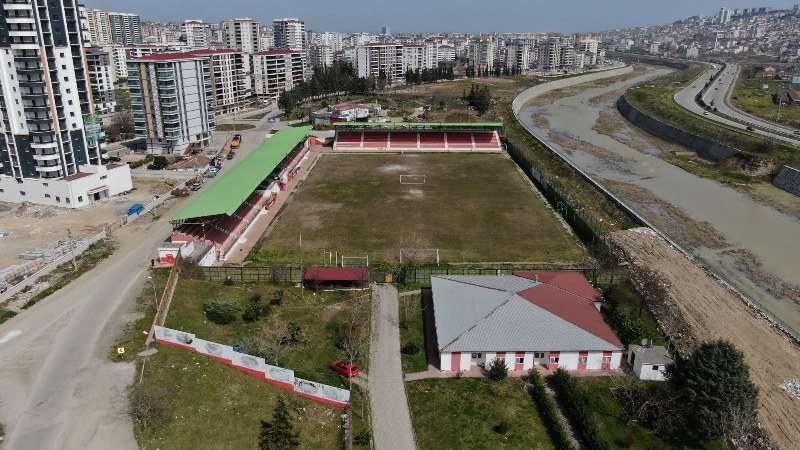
[71, 244]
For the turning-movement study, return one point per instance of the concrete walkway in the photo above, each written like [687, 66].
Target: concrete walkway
[391, 420]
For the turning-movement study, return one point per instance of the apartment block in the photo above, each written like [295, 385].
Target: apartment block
[101, 78]
[275, 71]
[126, 28]
[198, 34]
[241, 34]
[321, 55]
[377, 58]
[172, 100]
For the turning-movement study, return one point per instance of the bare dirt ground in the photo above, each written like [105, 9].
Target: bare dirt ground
[709, 310]
[32, 226]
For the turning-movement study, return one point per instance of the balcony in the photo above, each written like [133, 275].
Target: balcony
[44, 145]
[49, 169]
[17, 6]
[46, 157]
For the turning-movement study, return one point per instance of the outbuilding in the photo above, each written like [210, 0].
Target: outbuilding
[649, 363]
[336, 277]
[540, 319]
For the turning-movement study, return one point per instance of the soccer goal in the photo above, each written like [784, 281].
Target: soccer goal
[354, 261]
[419, 254]
[412, 179]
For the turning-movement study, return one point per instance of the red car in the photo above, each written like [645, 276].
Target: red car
[343, 367]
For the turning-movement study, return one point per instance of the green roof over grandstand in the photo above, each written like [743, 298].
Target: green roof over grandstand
[418, 125]
[233, 187]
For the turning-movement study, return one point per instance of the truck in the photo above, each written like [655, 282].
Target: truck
[236, 141]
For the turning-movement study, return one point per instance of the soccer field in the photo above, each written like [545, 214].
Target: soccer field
[472, 207]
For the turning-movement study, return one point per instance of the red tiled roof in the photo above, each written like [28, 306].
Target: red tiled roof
[169, 56]
[77, 176]
[570, 281]
[336, 274]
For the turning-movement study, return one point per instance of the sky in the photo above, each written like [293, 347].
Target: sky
[476, 16]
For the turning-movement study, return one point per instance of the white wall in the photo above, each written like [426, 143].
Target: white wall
[66, 194]
[646, 372]
[567, 360]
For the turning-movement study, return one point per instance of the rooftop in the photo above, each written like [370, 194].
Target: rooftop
[657, 355]
[231, 189]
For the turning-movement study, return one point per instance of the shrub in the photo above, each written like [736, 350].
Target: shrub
[498, 369]
[6, 314]
[255, 310]
[501, 428]
[576, 408]
[363, 438]
[221, 312]
[228, 281]
[411, 348]
[547, 410]
[148, 406]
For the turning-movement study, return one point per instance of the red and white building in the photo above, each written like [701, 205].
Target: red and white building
[531, 319]
[275, 71]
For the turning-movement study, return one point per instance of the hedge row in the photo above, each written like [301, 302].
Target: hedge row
[141, 162]
[548, 412]
[575, 406]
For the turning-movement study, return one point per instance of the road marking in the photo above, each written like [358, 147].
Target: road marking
[10, 335]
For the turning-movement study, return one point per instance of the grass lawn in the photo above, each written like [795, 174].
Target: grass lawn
[204, 391]
[234, 127]
[472, 207]
[411, 330]
[630, 301]
[461, 413]
[617, 431]
[749, 96]
[257, 116]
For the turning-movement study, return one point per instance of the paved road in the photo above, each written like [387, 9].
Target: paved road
[719, 93]
[58, 390]
[391, 420]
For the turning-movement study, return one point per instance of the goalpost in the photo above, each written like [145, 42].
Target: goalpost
[419, 254]
[412, 179]
[354, 261]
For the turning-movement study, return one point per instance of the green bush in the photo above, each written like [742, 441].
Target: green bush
[363, 438]
[255, 309]
[411, 348]
[547, 411]
[6, 314]
[501, 428]
[497, 369]
[221, 312]
[141, 162]
[575, 406]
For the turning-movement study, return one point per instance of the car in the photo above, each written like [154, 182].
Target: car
[705, 113]
[212, 169]
[345, 368]
[231, 155]
[749, 128]
[114, 158]
[196, 186]
[797, 132]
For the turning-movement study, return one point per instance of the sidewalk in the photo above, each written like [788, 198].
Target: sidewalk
[244, 245]
[477, 372]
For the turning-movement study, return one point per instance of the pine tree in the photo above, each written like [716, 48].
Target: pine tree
[714, 385]
[280, 433]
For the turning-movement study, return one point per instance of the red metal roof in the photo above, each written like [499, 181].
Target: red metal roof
[276, 52]
[169, 56]
[336, 274]
[570, 281]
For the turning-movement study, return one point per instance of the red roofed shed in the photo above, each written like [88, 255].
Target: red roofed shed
[336, 276]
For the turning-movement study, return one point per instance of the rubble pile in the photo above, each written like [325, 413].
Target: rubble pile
[792, 387]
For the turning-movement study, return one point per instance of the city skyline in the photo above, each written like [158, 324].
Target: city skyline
[444, 16]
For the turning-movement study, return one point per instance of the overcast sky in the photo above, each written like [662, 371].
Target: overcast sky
[565, 16]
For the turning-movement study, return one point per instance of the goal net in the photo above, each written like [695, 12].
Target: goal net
[412, 179]
[416, 255]
[354, 261]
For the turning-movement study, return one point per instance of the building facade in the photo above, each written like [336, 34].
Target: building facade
[126, 28]
[99, 26]
[231, 79]
[275, 71]
[46, 94]
[172, 100]
[290, 34]
[198, 34]
[241, 34]
[321, 55]
[101, 78]
[378, 59]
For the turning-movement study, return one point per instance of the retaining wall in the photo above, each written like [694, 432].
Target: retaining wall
[788, 179]
[704, 147]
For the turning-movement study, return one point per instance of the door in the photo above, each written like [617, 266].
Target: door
[477, 359]
[538, 359]
[455, 361]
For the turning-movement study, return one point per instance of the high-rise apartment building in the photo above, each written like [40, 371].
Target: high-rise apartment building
[275, 71]
[724, 15]
[126, 28]
[321, 55]
[198, 34]
[99, 26]
[481, 54]
[379, 59]
[172, 100]
[241, 34]
[101, 78]
[290, 34]
[231, 79]
[48, 155]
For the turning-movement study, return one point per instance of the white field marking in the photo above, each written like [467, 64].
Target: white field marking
[10, 335]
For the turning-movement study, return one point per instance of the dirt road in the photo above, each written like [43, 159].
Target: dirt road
[712, 311]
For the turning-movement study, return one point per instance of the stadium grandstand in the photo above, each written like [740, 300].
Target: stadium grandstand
[220, 214]
[394, 136]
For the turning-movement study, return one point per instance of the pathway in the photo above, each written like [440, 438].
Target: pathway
[391, 419]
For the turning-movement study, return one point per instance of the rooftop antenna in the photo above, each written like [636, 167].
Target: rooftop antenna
[645, 343]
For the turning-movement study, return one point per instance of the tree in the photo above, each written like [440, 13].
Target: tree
[148, 406]
[160, 162]
[497, 369]
[280, 433]
[714, 386]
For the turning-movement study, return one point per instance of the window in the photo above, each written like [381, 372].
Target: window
[67, 199]
[22, 193]
[103, 177]
[80, 198]
[69, 102]
[477, 355]
[66, 78]
[69, 90]
[606, 360]
[44, 184]
[554, 360]
[538, 355]
[74, 125]
[58, 199]
[61, 55]
[655, 367]
[46, 195]
[2, 190]
[520, 360]
[72, 113]
[582, 359]
[64, 66]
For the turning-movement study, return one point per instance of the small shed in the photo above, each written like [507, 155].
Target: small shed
[336, 277]
[649, 363]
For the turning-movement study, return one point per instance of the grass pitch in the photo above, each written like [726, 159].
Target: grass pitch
[472, 207]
